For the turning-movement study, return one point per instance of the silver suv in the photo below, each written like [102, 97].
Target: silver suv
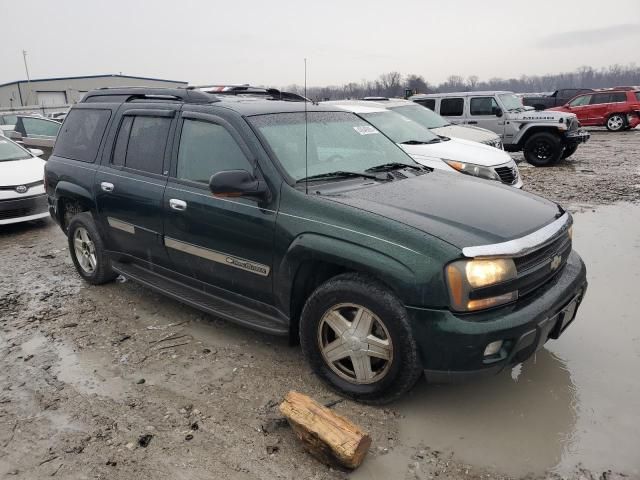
[544, 137]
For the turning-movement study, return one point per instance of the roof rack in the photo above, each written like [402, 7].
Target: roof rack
[127, 94]
[375, 99]
[247, 89]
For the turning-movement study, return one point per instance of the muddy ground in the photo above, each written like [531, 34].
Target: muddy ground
[117, 382]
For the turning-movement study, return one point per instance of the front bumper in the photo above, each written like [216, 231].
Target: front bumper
[577, 136]
[633, 120]
[23, 209]
[452, 346]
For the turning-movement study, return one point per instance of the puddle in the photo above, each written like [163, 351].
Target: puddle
[576, 402]
[86, 375]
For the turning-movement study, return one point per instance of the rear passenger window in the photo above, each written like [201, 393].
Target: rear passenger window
[141, 143]
[483, 106]
[81, 134]
[638, 96]
[599, 98]
[618, 97]
[208, 148]
[451, 107]
[430, 103]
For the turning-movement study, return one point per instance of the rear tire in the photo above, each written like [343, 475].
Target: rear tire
[542, 149]
[356, 336]
[568, 151]
[87, 250]
[616, 122]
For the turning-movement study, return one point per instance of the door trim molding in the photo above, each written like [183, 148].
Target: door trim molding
[218, 257]
[120, 225]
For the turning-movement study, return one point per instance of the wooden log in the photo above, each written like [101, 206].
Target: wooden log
[328, 436]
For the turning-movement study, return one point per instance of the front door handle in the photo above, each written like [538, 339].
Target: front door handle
[472, 122]
[107, 187]
[179, 205]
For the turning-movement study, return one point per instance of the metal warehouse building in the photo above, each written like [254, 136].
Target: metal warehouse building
[55, 92]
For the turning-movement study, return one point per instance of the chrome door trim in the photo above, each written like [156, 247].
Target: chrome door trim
[120, 225]
[218, 257]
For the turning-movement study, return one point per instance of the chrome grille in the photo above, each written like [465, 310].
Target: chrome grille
[507, 174]
[540, 266]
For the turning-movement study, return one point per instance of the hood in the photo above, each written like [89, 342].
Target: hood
[19, 172]
[461, 150]
[458, 209]
[474, 134]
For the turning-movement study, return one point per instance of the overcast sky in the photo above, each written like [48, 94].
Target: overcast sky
[264, 42]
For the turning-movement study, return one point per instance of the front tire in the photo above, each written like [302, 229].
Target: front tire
[568, 151]
[87, 250]
[616, 123]
[542, 149]
[355, 334]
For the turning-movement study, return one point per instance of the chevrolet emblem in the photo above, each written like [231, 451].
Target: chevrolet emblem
[555, 262]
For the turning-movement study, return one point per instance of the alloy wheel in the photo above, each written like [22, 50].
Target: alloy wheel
[355, 343]
[542, 150]
[615, 122]
[85, 250]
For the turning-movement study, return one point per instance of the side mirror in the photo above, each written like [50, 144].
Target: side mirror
[567, 106]
[498, 112]
[237, 183]
[13, 135]
[36, 151]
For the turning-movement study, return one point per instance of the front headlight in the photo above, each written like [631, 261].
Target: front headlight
[487, 173]
[467, 278]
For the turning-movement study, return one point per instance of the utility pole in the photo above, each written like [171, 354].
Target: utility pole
[26, 68]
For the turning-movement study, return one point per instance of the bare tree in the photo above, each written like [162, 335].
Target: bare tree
[391, 84]
[417, 84]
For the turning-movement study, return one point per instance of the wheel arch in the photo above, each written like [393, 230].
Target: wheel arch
[72, 198]
[528, 130]
[313, 259]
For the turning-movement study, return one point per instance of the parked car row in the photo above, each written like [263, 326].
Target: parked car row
[543, 137]
[312, 221]
[32, 131]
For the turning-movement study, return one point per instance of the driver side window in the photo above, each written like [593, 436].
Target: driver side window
[483, 106]
[208, 148]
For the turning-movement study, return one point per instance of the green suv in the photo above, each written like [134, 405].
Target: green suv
[304, 220]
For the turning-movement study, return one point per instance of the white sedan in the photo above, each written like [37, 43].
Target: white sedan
[22, 195]
[435, 151]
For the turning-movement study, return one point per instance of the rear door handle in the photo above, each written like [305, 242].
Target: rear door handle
[107, 187]
[179, 205]
[472, 122]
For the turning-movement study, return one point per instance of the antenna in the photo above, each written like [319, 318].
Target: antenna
[306, 138]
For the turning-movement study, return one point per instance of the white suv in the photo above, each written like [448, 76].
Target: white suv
[436, 151]
[22, 195]
[437, 124]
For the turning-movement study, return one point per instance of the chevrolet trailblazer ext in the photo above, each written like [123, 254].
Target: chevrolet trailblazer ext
[382, 268]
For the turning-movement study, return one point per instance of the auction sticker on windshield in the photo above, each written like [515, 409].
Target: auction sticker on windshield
[365, 129]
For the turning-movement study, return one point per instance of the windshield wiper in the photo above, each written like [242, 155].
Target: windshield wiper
[419, 142]
[385, 167]
[340, 174]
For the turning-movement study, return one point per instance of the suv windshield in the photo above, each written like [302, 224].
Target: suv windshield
[10, 151]
[422, 115]
[336, 141]
[399, 128]
[511, 102]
